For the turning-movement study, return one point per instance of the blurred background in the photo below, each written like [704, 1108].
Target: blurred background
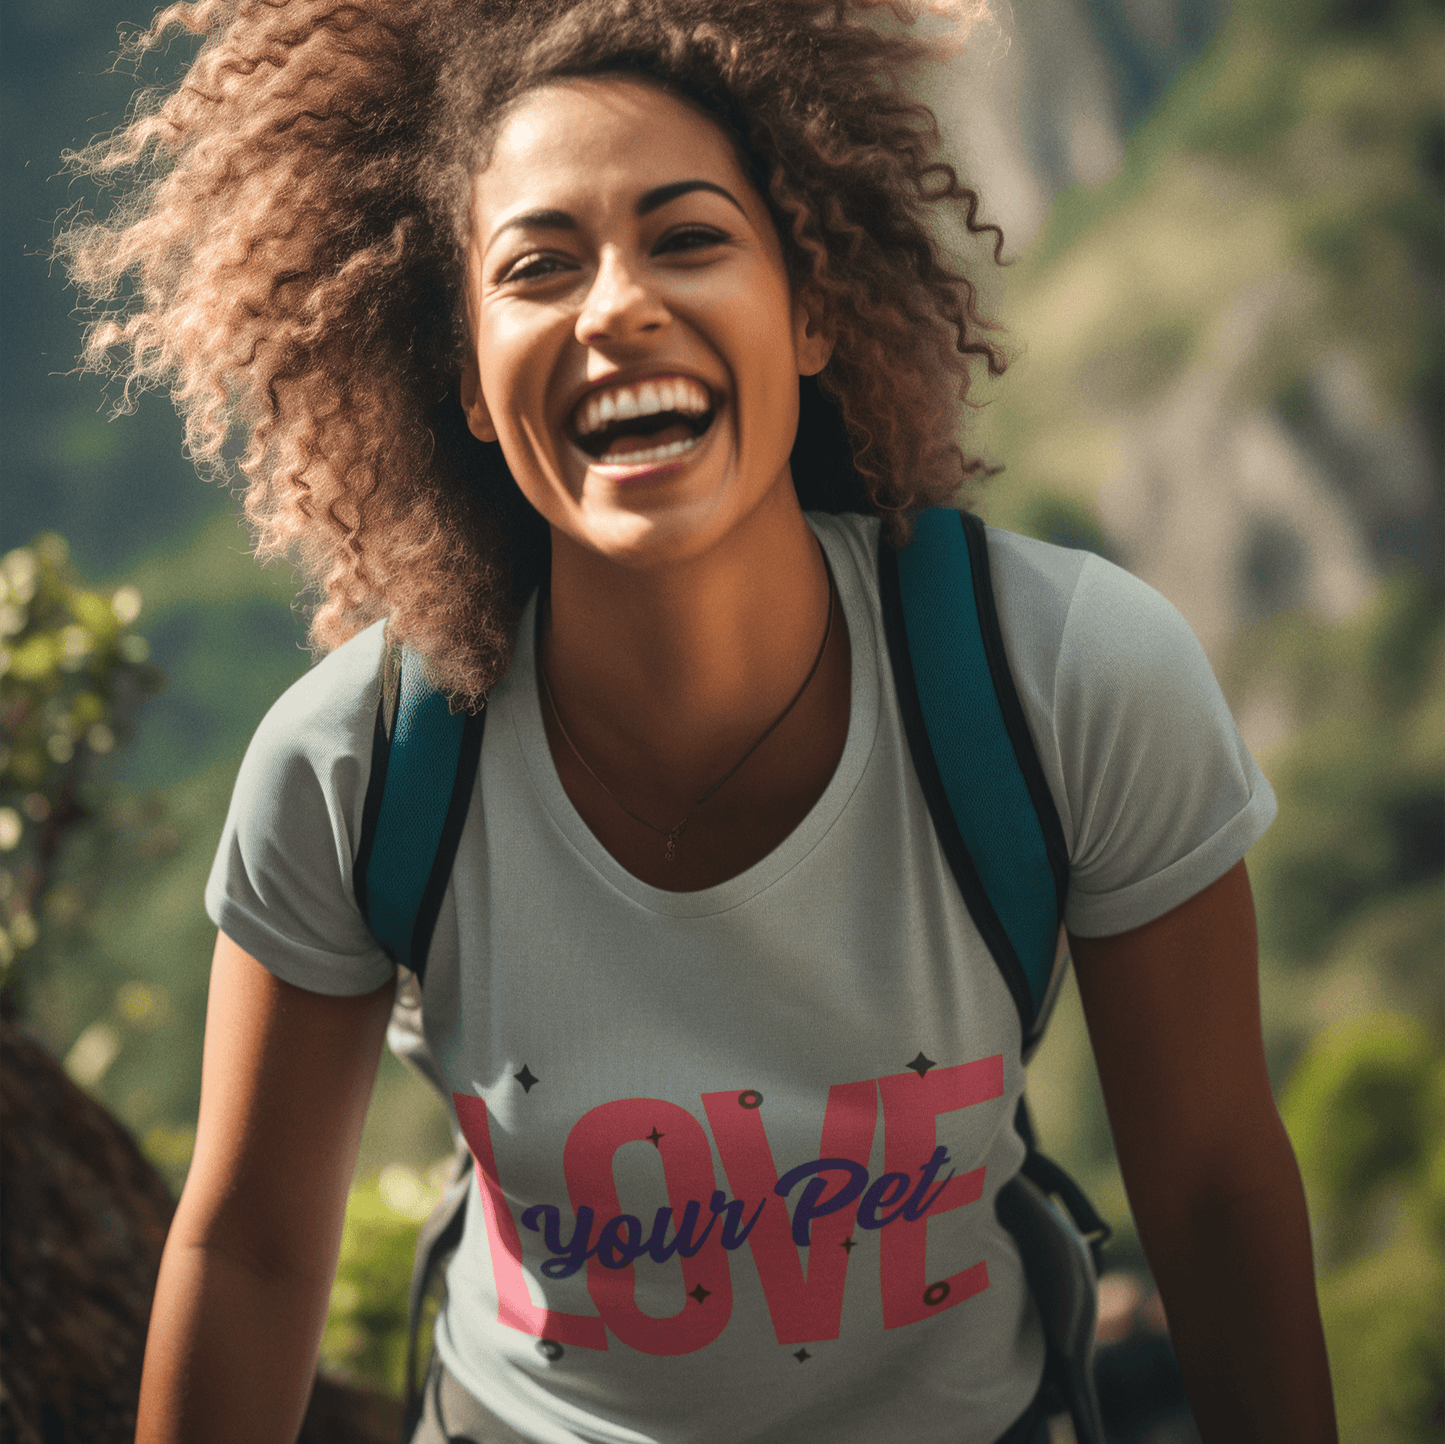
[1224, 304]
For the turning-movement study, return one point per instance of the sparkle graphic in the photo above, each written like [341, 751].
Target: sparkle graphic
[802, 1356]
[922, 1063]
[848, 1245]
[699, 1293]
[655, 1138]
[525, 1078]
[549, 1349]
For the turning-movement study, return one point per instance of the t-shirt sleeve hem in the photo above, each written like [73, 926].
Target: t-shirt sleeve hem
[336, 976]
[1102, 915]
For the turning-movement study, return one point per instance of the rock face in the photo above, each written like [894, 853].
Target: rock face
[84, 1218]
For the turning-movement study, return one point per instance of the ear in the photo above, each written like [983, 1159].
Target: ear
[479, 419]
[812, 336]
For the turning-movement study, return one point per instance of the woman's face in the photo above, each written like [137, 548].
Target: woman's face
[635, 342]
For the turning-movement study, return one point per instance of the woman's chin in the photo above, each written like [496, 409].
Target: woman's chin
[649, 535]
[641, 509]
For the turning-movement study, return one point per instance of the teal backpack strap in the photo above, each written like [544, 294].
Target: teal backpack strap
[999, 829]
[423, 769]
[424, 761]
[973, 754]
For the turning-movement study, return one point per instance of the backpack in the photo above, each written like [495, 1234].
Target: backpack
[997, 826]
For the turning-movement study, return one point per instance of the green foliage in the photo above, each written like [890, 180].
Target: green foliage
[1349, 874]
[1357, 1106]
[1063, 521]
[365, 1337]
[1366, 1109]
[169, 1150]
[124, 921]
[1297, 21]
[123, 909]
[1383, 1325]
[71, 671]
[1353, 926]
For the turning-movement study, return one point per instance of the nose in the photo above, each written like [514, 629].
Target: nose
[621, 305]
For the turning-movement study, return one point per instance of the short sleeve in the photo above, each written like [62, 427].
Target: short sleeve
[281, 884]
[1157, 793]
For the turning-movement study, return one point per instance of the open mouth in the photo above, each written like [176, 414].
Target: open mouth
[643, 422]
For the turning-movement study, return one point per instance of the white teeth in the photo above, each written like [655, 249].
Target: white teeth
[650, 454]
[626, 403]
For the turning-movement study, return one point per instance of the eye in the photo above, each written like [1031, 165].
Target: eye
[690, 238]
[534, 267]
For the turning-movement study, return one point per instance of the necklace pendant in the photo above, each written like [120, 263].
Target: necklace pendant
[670, 851]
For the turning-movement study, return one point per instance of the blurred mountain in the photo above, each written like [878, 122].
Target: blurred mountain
[114, 490]
[1044, 96]
[1231, 351]
[1230, 364]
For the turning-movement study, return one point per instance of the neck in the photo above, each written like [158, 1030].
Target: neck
[688, 660]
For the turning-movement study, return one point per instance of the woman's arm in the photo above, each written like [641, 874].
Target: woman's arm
[1173, 1012]
[248, 1264]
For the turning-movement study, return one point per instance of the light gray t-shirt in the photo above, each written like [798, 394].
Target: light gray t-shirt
[737, 1149]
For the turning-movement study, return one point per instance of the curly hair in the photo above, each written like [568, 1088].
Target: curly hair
[286, 253]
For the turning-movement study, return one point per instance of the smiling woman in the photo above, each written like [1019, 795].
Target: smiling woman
[616, 243]
[635, 345]
[298, 226]
[604, 354]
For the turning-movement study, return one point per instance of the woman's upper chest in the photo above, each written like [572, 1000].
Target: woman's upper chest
[679, 836]
[847, 943]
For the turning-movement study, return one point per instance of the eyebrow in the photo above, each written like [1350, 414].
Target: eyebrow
[648, 202]
[660, 195]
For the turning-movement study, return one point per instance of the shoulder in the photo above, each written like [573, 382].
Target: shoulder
[1155, 790]
[307, 764]
[1068, 617]
[1071, 618]
[333, 704]
[1036, 575]
[281, 885]
[1074, 598]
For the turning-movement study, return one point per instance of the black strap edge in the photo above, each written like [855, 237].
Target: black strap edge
[440, 1235]
[925, 766]
[1053, 1178]
[468, 758]
[1066, 1296]
[1015, 722]
[389, 678]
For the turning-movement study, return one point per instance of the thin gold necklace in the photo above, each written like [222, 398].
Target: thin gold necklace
[671, 834]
